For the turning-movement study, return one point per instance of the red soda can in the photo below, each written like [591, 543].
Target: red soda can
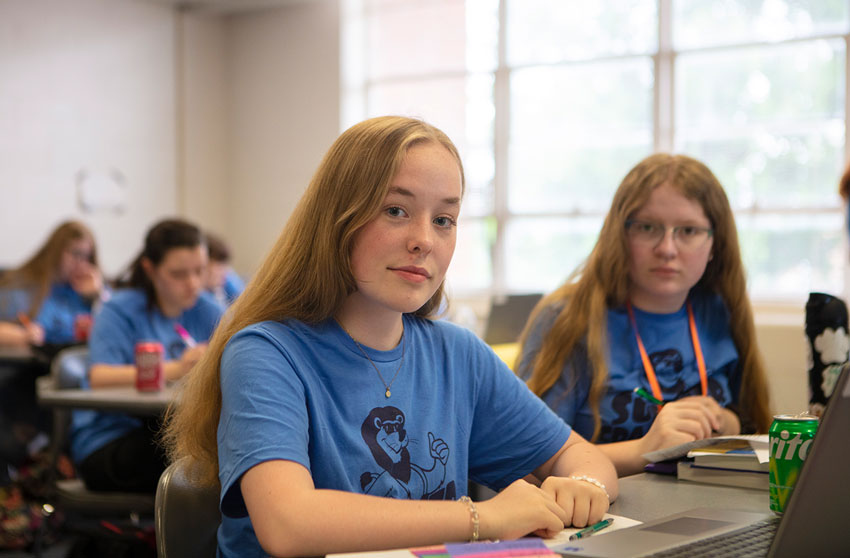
[82, 326]
[150, 356]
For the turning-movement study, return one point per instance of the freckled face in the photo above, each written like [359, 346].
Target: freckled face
[399, 259]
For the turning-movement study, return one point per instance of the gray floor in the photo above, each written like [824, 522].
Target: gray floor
[58, 550]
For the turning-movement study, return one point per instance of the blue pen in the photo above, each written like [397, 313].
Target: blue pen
[587, 531]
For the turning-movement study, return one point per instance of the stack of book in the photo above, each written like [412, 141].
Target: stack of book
[731, 463]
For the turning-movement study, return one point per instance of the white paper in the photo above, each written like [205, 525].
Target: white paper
[558, 540]
[563, 537]
[375, 554]
[759, 443]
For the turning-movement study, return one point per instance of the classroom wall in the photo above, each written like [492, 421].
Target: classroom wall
[87, 97]
[218, 117]
[283, 95]
[781, 338]
[202, 129]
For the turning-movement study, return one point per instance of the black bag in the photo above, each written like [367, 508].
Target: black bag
[826, 331]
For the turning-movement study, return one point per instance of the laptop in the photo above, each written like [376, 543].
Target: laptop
[507, 318]
[814, 524]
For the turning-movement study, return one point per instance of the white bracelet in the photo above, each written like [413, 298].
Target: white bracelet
[473, 515]
[592, 481]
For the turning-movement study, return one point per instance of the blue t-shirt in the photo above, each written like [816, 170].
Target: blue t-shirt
[232, 288]
[13, 301]
[667, 339]
[122, 322]
[307, 394]
[59, 311]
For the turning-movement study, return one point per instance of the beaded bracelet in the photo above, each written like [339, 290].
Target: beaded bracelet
[473, 514]
[592, 481]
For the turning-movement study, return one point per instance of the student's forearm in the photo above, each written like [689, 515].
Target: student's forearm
[12, 335]
[112, 375]
[626, 456]
[334, 521]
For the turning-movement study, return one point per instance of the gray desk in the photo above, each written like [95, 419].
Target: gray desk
[121, 399]
[16, 354]
[649, 496]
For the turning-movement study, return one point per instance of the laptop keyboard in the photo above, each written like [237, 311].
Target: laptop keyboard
[751, 542]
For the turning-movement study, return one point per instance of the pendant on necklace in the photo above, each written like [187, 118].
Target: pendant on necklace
[388, 393]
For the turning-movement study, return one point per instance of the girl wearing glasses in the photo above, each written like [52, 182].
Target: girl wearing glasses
[337, 415]
[660, 306]
[49, 298]
[41, 302]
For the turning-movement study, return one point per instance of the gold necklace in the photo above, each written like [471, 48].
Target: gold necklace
[388, 393]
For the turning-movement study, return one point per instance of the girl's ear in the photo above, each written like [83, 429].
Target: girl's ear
[148, 267]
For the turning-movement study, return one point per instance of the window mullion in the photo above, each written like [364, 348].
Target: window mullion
[501, 135]
[663, 100]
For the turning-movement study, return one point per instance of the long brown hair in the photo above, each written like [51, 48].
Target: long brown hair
[844, 185]
[602, 282]
[41, 270]
[307, 275]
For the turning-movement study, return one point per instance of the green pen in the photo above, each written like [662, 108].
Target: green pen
[587, 531]
[640, 392]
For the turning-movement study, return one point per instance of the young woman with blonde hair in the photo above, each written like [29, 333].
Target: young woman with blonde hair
[336, 415]
[52, 289]
[48, 299]
[661, 305]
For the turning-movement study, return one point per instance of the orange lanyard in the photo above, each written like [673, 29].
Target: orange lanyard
[647, 365]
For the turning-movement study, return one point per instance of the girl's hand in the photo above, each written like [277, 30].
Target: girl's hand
[684, 420]
[34, 333]
[190, 357]
[518, 510]
[584, 503]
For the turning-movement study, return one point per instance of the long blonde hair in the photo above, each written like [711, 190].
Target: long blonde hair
[307, 276]
[602, 282]
[41, 270]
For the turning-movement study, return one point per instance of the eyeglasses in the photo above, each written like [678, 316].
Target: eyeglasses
[81, 256]
[685, 236]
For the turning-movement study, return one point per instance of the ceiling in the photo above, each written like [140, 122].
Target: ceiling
[225, 6]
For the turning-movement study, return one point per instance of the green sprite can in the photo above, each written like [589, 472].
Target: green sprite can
[790, 439]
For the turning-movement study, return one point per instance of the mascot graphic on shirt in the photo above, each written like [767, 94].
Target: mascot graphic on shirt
[385, 434]
[633, 415]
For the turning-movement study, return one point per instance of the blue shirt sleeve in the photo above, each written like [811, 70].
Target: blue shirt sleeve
[513, 431]
[112, 339]
[263, 415]
[233, 286]
[13, 301]
[569, 392]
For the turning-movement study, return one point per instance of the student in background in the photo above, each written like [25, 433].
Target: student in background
[665, 273]
[337, 415]
[48, 299]
[164, 294]
[221, 280]
[45, 298]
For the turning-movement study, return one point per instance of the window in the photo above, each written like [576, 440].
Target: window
[552, 101]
